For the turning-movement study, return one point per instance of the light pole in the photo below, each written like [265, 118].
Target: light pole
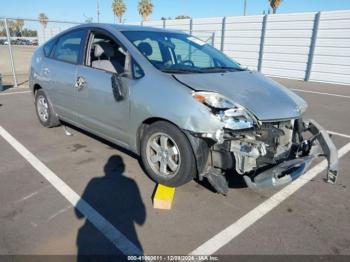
[245, 7]
[98, 12]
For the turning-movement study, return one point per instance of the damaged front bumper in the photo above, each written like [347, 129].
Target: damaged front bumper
[212, 162]
[318, 145]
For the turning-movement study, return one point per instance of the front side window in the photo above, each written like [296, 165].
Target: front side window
[68, 47]
[106, 54]
[180, 53]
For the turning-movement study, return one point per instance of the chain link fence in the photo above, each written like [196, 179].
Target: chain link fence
[19, 38]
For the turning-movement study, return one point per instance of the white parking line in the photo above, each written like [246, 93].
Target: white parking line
[14, 93]
[319, 93]
[338, 134]
[107, 229]
[228, 234]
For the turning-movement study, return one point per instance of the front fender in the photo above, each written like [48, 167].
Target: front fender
[168, 99]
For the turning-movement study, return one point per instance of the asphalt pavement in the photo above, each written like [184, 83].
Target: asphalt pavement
[40, 216]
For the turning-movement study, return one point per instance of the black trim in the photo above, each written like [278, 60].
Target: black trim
[183, 83]
[54, 41]
[133, 62]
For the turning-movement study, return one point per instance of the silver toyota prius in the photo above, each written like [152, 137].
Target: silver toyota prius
[187, 109]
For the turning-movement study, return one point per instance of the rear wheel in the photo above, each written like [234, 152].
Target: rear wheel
[44, 110]
[167, 155]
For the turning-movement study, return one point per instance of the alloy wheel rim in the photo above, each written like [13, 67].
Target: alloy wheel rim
[163, 155]
[43, 108]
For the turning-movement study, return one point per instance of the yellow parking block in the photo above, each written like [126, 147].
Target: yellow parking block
[164, 196]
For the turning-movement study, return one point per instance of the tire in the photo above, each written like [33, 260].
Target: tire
[44, 110]
[177, 151]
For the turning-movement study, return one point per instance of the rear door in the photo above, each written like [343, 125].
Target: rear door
[61, 70]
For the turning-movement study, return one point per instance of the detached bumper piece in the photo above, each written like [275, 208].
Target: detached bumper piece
[328, 148]
[217, 180]
[281, 174]
[319, 145]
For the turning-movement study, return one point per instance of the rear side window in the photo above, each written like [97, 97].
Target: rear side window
[48, 47]
[68, 47]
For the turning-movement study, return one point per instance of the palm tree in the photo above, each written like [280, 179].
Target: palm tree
[43, 20]
[145, 9]
[119, 9]
[275, 4]
[19, 23]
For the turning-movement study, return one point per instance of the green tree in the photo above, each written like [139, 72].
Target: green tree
[145, 8]
[43, 20]
[183, 17]
[2, 28]
[12, 27]
[275, 4]
[29, 33]
[119, 9]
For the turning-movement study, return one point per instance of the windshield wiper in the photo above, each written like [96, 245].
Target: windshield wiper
[223, 68]
[181, 70]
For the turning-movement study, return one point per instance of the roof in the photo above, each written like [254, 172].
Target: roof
[123, 27]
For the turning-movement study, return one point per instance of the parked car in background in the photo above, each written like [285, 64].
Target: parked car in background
[186, 108]
[35, 42]
[21, 41]
[2, 41]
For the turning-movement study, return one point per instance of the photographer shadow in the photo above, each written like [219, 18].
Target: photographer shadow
[117, 198]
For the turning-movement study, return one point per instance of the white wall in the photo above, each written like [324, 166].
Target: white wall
[332, 54]
[243, 38]
[286, 50]
[287, 45]
[207, 28]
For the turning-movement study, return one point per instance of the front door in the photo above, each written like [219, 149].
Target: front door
[97, 106]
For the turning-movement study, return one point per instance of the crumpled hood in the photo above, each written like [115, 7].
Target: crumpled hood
[262, 96]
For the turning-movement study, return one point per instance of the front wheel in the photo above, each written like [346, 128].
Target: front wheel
[167, 155]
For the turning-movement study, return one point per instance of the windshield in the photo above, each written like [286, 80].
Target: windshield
[180, 53]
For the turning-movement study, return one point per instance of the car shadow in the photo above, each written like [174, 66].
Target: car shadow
[117, 198]
[234, 180]
[109, 144]
[5, 87]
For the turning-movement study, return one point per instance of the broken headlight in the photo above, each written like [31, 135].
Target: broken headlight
[302, 108]
[213, 100]
[233, 115]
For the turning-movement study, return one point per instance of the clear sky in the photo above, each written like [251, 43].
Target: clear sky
[77, 10]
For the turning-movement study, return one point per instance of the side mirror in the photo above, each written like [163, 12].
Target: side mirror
[117, 87]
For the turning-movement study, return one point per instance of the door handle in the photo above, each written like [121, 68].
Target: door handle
[46, 71]
[80, 83]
